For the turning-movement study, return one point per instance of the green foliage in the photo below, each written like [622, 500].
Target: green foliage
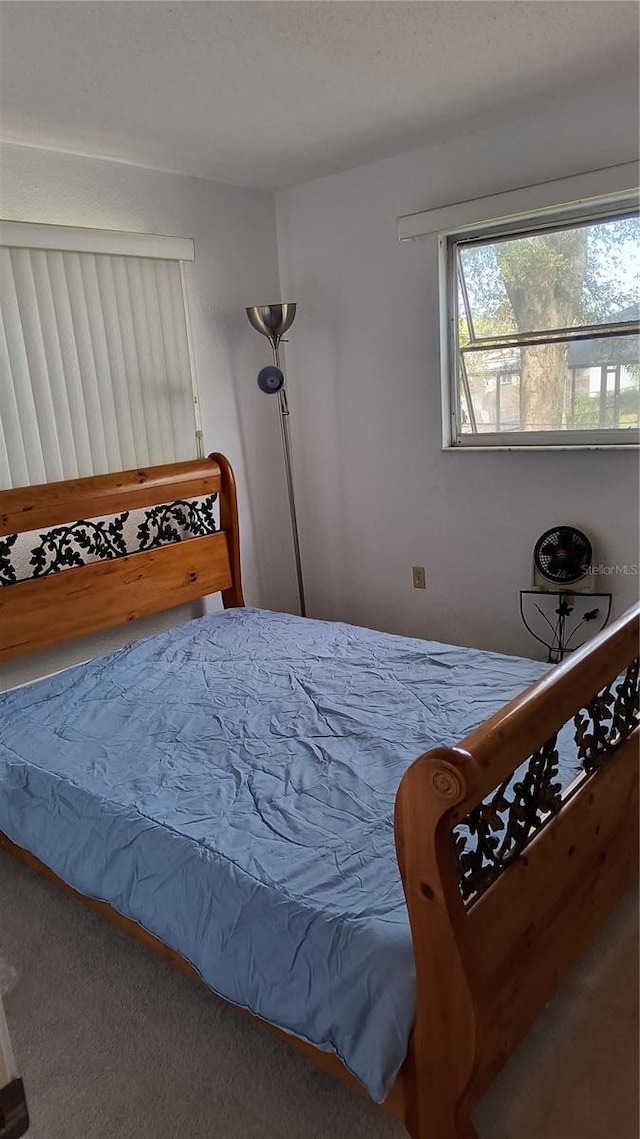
[592, 264]
[586, 411]
[629, 406]
[482, 326]
[543, 277]
[608, 248]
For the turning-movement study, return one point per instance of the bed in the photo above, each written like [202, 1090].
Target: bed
[387, 849]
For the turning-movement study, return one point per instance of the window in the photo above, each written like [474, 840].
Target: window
[95, 360]
[544, 330]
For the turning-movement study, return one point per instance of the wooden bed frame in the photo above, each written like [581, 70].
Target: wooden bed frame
[493, 931]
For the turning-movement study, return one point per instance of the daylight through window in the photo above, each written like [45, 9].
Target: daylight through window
[545, 334]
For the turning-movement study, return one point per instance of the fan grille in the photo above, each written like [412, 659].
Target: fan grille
[562, 554]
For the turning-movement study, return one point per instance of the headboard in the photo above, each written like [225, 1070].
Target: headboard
[58, 606]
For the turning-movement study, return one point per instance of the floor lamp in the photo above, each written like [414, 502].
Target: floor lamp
[273, 321]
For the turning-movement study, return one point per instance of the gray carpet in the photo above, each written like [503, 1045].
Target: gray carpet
[115, 1044]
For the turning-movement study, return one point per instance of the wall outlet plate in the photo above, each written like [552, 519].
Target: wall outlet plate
[419, 577]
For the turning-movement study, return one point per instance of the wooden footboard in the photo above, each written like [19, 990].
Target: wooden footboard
[499, 917]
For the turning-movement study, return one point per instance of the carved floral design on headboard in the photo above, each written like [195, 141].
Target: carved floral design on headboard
[164, 523]
[38, 553]
[7, 571]
[71, 545]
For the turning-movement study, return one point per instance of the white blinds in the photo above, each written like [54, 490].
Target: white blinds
[95, 370]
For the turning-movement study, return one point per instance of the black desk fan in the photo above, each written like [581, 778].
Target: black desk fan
[563, 571]
[562, 555]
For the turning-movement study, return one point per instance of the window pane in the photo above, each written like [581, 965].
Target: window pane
[554, 279]
[590, 384]
[465, 417]
[464, 332]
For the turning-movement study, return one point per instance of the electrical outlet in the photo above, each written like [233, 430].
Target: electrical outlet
[419, 578]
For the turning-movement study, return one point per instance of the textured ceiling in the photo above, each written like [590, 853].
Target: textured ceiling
[270, 93]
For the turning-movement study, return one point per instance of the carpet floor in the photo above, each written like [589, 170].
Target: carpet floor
[114, 1043]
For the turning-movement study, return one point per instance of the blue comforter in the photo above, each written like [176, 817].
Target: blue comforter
[230, 785]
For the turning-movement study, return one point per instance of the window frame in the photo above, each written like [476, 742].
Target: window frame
[573, 214]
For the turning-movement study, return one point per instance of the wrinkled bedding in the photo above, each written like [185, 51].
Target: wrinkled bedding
[230, 785]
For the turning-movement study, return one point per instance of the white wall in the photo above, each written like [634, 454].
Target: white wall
[236, 265]
[377, 495]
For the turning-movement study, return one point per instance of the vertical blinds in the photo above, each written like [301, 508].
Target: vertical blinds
[95, 366]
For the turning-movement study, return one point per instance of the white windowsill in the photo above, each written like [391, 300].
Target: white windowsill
[472, 448]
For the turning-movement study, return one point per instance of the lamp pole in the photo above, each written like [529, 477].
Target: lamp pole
[273, 321]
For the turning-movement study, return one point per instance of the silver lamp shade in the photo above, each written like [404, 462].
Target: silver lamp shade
[272, 320]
